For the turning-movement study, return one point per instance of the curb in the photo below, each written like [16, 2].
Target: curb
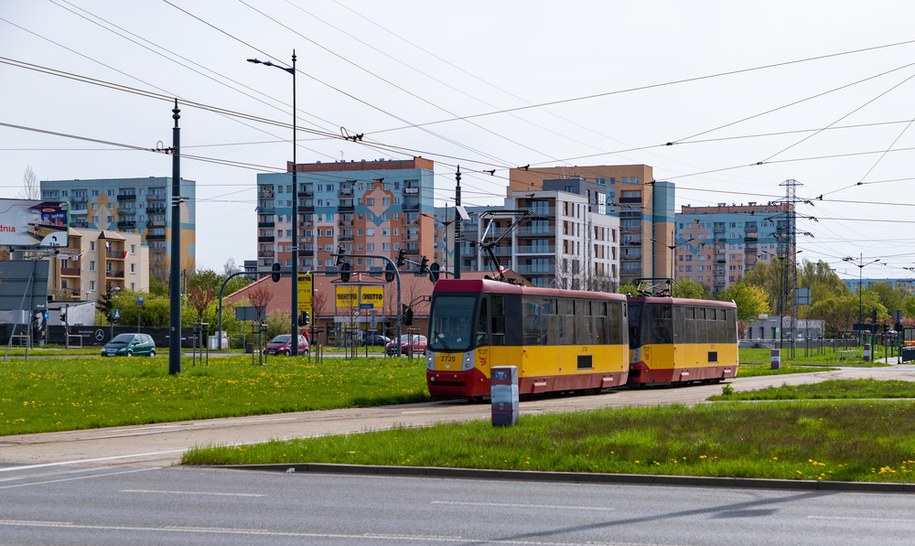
[576, 477]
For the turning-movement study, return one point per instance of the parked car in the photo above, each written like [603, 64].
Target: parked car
[406, 344]
[376, 340]
[280, 345]
[130, 345]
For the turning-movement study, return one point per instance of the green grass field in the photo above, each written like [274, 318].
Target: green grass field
[53, 394]
[814, 440]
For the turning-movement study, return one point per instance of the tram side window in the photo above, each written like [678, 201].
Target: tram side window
[731, 319]
[616, 323]
[599, 323]
[483, 323]
[566, 323]
[701, 326]
[661, 324]
[498, 320]
[533, 323]
[552, 322]
[584, 331]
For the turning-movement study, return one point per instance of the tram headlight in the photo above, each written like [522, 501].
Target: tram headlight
[430, 361]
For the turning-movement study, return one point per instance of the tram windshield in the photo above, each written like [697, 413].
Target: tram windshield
[451, 326]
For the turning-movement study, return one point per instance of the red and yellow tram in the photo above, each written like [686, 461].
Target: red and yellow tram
[681, 340]
[560, 340]
[567, 340]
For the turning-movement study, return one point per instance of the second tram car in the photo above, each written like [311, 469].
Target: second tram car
[676, 340]
[560, 340]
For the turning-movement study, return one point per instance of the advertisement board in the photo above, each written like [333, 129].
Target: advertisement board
[360, 297]
[28, 222]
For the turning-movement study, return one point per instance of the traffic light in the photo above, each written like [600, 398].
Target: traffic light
[406, 316]
[434, 271]
[304, 318]
[401, 258]
[276, 272]
[345, 269]
[339, 256]
[424, 265]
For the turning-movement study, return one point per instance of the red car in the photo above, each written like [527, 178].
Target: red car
[280, 345]
[407, 344]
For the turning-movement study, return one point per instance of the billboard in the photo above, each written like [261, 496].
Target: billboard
[360, 297]
[29, 222]
[24, 285]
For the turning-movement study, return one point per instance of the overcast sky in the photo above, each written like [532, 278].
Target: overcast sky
[750, 96]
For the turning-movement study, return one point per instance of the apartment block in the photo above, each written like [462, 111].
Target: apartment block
[365, 207]
[96, 259]
[645, 209]
[133, 205]
[717, 245]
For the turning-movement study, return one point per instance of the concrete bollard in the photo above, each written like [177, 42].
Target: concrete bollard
[867, 352]
[776, 359]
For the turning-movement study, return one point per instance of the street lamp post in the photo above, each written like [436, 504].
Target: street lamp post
[860, 265]
[294, 296]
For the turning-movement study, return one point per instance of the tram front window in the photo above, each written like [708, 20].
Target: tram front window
[451, 326]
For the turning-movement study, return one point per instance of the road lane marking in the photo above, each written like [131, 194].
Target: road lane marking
[861, 518]
[508, 505]
[95, 460]
[204, 493]
[396, 538]
[93, 476]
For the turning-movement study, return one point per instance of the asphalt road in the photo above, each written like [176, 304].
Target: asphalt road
[176, 505]
[160, 445]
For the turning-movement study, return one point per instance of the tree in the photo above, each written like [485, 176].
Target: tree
[889, 296]
[30, 186]
[908, 307]
[690, 288]
[200, 298]
[751, 300]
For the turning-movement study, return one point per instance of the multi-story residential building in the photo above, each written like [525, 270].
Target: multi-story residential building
[644, 206]
[95, 260]
[716, 246]
[133, 205]
[568, 242]
[366, 207]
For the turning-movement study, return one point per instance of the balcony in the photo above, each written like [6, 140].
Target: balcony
[345, 222]
[346, 205]
[157, 223]
[127, 224]
[155, 209]
[269, 224]
[155, 237]
[69, 272]
[266, 239]
[127, 197]
[265, 254]
[114, 274]
[115, 253]
[411, 206]
[345, 192]
[307, 194]
[528, 249]
[410, 190]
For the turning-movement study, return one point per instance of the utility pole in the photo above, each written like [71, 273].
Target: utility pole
[174, 279]
[457, 223]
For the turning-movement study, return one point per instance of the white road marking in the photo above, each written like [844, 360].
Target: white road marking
[93, 476]
[204, 493]
[860, 518]
[95, 460]
[507, 505]
[69, 525]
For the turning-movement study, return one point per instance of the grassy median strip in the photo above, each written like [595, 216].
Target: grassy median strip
[54, 394]
[818, 440]
[834, 389]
